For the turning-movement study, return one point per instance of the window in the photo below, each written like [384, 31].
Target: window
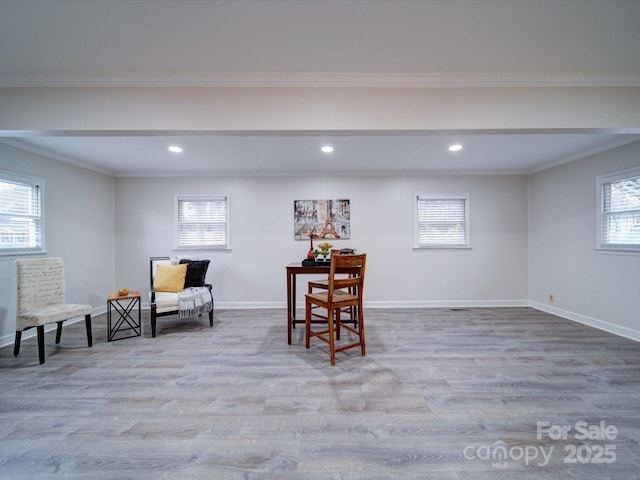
[202, 222]
[442, 221]
[619, 211]
[21, 221]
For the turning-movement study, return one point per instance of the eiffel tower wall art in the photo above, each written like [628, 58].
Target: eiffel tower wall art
[330, 219]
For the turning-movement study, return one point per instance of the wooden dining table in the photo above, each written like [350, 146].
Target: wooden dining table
[294, 269]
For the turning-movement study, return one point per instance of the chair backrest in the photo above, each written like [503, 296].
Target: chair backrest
[354, 265]
[40, 283]
[153, 264]
[338, 252]
[196, 269]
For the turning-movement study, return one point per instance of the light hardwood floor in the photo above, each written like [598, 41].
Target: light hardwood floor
[438, 392]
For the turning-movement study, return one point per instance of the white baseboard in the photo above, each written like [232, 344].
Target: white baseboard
[384, 304]
[448, 304]
[589, 321]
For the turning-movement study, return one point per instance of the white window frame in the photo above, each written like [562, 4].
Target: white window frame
[11, 177]
[213, 198]
[441, 246]
[601, 225]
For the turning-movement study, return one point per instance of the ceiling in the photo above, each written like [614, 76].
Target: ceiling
[312, 42]
[301, 155]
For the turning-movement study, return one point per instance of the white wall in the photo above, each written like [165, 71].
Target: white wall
[494, 272]
[79, 227]
[594, 288]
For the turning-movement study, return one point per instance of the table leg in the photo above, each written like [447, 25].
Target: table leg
[109, 329]
[289, 309]
[140, 316]
[293, 300]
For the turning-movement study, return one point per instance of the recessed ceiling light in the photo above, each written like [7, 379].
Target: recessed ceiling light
[455, 148]
[327, 149]
[175, 149]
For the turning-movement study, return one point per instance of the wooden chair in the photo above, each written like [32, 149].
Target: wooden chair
[323, 284]
[165, 301]
[41, 301]
[340, 293]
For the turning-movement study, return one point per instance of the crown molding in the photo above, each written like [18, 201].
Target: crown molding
[618, 142]
[386, 80]
[43, 152]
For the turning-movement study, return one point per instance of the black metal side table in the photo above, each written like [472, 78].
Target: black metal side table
[123, 305]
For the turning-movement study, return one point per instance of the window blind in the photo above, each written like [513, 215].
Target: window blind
[202, 222]
[442, 222]
[20, 216]
[621, 212]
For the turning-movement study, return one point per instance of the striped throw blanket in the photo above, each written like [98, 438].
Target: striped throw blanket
[194, 301]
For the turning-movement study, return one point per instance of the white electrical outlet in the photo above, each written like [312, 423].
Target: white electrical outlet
[552, 297]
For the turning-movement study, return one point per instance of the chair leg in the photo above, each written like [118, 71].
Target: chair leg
[58, 332]
[211, 318]
[332, 340]
[40, 329]
[307, 324]
[16, 344]
[363, 350]
[153, 319]
[337, 324]
[87, 322]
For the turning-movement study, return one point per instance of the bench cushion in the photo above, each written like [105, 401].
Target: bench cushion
[166, 302]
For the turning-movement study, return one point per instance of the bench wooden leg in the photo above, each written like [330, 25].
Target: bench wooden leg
[87, 322]
[40, 329]
[58, 332]
[16, 344]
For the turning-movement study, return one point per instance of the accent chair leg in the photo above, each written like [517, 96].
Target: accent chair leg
[58, 332]
[40, 329]
[87, 322]
[16, 344]
[153, 319]
[211, 318]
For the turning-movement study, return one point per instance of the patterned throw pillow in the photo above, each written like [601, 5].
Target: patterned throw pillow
[196, 272]
[169, 278]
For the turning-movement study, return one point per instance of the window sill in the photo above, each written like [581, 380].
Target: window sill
[203, 249]
[616, 251]
[9, 254]
[441, 249]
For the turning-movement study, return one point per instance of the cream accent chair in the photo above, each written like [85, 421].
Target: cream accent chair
[163, 304]
[41, 301]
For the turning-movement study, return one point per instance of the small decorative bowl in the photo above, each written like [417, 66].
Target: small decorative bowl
[123, 292]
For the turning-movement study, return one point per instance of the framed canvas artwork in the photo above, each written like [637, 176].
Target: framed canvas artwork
[330, 219]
